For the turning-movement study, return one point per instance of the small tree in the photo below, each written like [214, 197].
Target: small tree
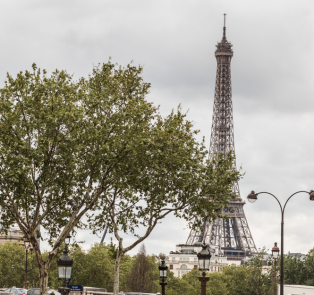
[180, 286]
[260, 279]
[217, 284]
[237, 279]
[144, 273]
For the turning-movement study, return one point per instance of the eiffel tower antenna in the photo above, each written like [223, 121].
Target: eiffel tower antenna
[224, 30]
[232, 235]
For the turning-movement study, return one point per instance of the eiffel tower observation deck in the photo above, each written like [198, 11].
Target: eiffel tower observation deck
[232, 235]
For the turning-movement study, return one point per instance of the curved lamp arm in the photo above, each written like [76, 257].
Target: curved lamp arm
[253, 195]
[275, 198]
[284, 207]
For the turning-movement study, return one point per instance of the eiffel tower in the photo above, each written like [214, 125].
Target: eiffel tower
[232, 235]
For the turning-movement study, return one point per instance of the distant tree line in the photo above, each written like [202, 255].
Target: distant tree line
[95, 267]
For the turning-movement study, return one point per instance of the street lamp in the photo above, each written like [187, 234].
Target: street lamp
[203, 265]
[163, 275]
[252, 197]
[65, 264]
[27, 245]
[275, 254]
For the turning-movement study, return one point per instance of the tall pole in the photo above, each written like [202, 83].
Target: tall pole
[25, 283]
[275, 277]
[281, 255]
[163, 286]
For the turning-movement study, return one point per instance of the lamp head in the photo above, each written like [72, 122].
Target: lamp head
[252, 197]
[311, 195]
[163, 270]
[64, 264]
[26, 243]
[275, 251]
[203, 259]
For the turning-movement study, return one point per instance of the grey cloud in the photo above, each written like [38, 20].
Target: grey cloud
[272, 80]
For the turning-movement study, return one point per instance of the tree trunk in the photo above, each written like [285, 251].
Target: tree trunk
[43, 276]
[116, 273]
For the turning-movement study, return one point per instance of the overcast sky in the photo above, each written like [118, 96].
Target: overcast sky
[272, 81]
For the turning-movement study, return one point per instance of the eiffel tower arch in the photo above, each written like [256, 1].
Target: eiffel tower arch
[231, 234]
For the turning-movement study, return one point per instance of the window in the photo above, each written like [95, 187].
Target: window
[195, 259]
[171, 266]
[184, 258]
[183, 266]
[195, 266]
[173, 259]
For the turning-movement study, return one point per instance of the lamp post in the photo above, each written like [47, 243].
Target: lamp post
[65, 264]
[275, 254]
[203, 265]
[12, 266]
[28, 247]
[252, 197]
[163, 275]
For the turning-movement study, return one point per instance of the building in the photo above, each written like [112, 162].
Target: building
[300, 256]
[296, 289]
[14, 235]
[184, 259]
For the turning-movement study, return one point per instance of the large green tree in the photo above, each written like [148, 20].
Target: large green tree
[63, 146]
[71, 147]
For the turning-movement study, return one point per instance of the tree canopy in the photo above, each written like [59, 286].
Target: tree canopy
[97, 147]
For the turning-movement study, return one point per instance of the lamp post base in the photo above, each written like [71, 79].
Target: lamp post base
[203, 279]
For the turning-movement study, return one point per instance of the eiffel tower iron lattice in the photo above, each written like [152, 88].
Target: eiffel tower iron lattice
[232, 235]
